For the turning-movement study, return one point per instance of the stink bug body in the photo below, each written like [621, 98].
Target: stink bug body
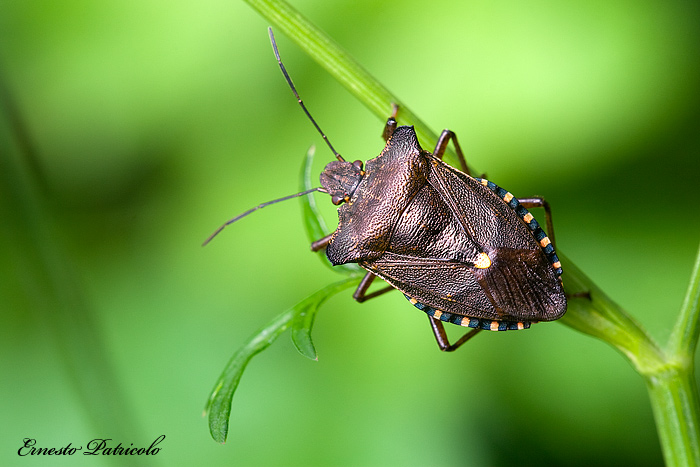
[460, 248]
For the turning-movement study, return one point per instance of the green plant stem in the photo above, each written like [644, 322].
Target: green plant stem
[684, 338]
[599, 316]
[674, 401]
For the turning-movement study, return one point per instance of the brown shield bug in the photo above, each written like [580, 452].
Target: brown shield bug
[460, 248]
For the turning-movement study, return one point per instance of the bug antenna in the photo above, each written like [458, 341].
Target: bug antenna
[260, 206]
[296, 94]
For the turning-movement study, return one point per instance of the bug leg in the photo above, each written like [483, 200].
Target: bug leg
[441, 145]
[586, 295]
[441, 336]
[390, 122]
[321, 243]
[361, 293]
[529, 203]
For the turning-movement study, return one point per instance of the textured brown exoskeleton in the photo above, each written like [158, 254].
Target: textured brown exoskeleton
[460, 248]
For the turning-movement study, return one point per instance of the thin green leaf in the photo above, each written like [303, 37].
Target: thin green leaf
[219, 404]
[301, 331]
[313, 221]
[684, 338]
[306, 314]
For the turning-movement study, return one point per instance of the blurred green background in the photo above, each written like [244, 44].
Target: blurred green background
[147, 124]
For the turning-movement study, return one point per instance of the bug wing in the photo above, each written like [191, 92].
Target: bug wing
[436, 283]
[523, 285]
[436, 246]
[515, 287]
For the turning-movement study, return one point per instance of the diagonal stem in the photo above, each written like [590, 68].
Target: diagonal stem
[684, 338]
[345, 69]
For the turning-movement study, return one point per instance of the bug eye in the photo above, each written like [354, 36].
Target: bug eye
[358, 165]
[336, 199]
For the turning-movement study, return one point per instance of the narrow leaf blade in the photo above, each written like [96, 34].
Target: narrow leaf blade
[306, 314]
[218, 406]
[313, 220]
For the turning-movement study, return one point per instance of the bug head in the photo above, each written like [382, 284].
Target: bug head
[340, 179]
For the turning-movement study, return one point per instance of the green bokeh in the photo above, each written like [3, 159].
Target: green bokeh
[152, 122]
